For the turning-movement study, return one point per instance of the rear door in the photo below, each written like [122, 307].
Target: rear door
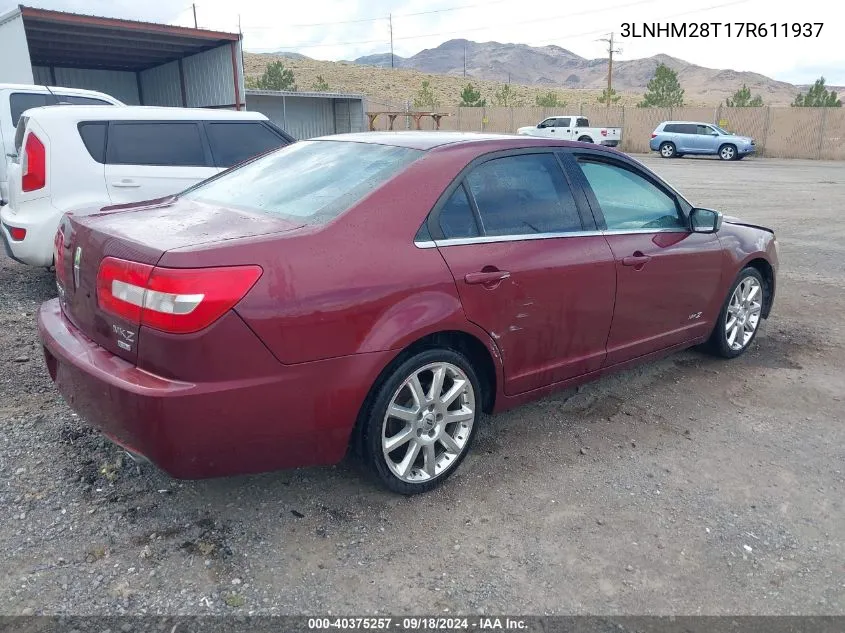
[233, 142]
[153, 159]
[667, 276]
[512, 231]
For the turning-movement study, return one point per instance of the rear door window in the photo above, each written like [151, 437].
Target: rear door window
[234, 142]
[581, 122]
[20, 102]
[94, 137]
[456, 217]
[165, 143]
[523, 194]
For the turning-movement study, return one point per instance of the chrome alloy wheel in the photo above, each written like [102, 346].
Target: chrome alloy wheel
[727, 152]
[743, 314]
[428, 422]
[667, 150]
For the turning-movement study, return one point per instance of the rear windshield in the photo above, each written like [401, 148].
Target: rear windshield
[312, 181]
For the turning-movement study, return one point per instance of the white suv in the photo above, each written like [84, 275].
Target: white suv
[17, 98]
[80, 159]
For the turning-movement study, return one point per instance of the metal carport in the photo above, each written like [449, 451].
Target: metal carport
[309, 114]
[136, 62]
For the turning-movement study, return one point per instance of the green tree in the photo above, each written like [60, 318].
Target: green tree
[506, 97]
[742, 99]
[276, 77]
[471, 98]
[320, 85]
[425, 98]
[817, 97]
[549, 100]
[614, 98]
[664, 90]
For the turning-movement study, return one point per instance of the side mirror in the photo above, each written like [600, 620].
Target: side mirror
[705, 220]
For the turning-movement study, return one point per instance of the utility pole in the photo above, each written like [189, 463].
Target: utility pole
[194, 7]
[610, 52]
[390, 18]
[465, 60]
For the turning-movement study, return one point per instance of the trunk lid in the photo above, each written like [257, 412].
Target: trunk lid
[142, 234]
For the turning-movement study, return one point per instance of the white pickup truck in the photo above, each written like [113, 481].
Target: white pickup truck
[573, 128]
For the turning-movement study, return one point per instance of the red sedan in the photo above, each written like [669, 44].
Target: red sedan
[379, 291]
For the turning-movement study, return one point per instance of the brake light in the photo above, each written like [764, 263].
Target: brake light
[654, 136]
[17, 233]
[33, 164]
[175, 300]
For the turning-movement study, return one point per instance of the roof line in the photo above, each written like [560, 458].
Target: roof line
[128, 25]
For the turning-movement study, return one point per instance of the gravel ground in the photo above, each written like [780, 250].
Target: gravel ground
[687, 486]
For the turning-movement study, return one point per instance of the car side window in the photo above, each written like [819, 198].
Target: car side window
[547, 123]
[705, 130]
[581, 122]
[628, 200]
[20, 102]
[233, 143]
[687, 128]
[563, 122]
[161, 143]
[456, 217]
[523, 194]
[94, 137]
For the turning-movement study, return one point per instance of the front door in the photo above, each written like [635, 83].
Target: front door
[667, 276]
[706, 139]
[511, 235]
[147, 160]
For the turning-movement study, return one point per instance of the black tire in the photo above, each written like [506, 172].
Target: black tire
[728, 151]
[667, 150]
[585, 139]
[373, 417]
[718, 342]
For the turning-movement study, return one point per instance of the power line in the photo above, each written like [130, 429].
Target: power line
[480, 28]
[382, 17]
[546, 19]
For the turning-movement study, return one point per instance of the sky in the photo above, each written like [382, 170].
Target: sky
[346, 29]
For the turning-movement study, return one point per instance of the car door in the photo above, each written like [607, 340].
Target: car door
[545, 128]
[667, 276]
[706, 139]
[513, 236]
[561, 128]
[152, 159]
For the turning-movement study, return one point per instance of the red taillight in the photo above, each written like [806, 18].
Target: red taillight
[654, 136]
[33, 164]
[16, 233]
[176, 300]
[604, 132]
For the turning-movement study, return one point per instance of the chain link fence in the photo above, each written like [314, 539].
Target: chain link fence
[780, 132]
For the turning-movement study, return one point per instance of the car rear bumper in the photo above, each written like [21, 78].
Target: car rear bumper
[41, 222]
[301, 416]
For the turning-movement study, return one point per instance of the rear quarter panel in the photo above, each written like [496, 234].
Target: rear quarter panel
[355, 285]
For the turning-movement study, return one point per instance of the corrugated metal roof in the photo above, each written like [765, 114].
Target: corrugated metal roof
[56, 38]
[293, 93]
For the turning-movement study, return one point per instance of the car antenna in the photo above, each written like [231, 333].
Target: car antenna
[55, 96]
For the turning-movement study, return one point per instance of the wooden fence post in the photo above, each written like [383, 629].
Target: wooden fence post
[766, 130]
[821, 133]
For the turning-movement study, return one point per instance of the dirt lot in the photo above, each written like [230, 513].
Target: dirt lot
[704, 487]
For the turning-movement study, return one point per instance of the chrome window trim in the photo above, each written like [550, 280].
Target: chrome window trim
[492, 239]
